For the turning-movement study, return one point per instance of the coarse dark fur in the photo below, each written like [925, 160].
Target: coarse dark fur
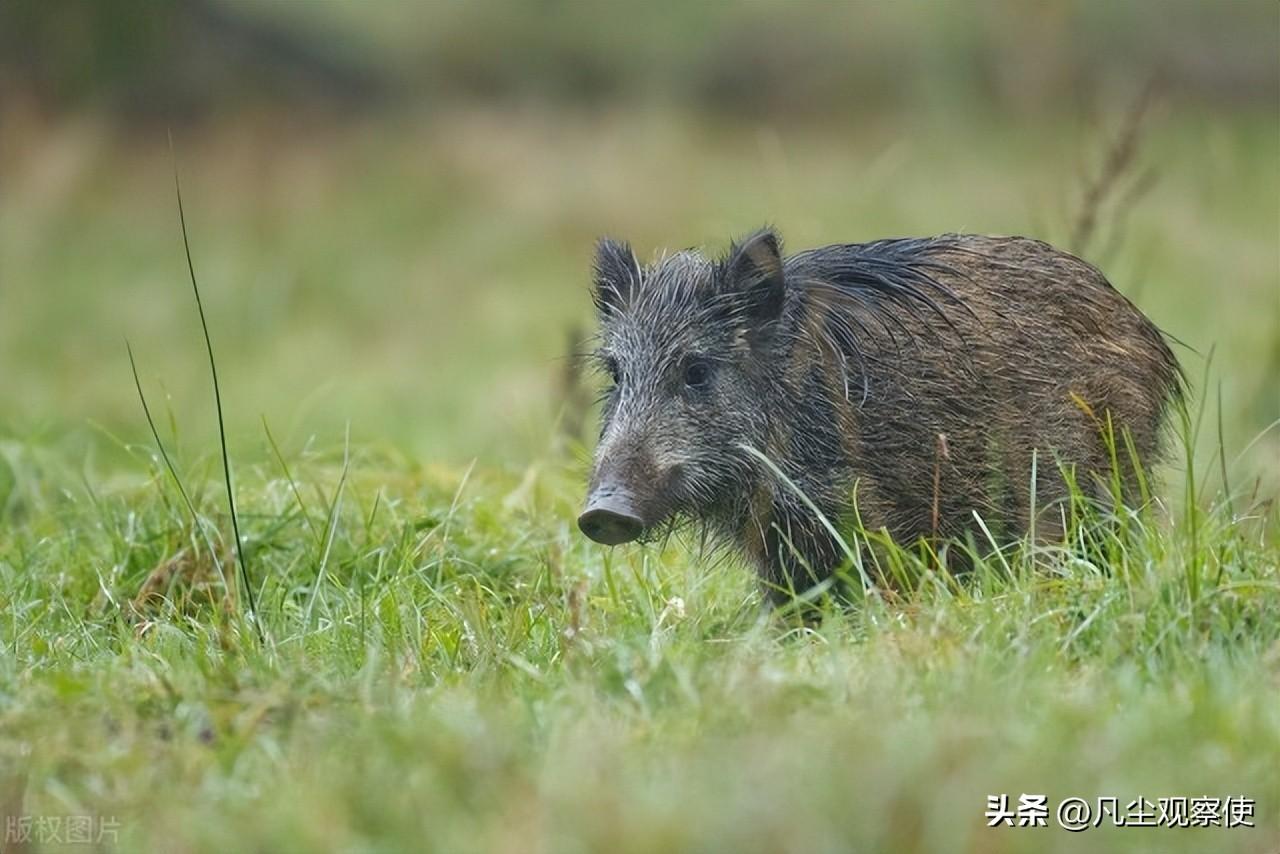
[917, 377]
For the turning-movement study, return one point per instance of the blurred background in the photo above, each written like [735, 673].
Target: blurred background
[392, 205]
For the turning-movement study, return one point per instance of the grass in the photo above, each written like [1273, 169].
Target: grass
[447, 663]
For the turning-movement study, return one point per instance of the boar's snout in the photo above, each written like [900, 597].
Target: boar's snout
[611, 516]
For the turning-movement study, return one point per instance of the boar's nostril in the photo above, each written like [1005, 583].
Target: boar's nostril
[610, 521]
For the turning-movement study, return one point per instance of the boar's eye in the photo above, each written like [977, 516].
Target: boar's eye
[612, 369]
[697, 373]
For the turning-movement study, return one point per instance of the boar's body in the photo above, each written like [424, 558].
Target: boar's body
[911, 382]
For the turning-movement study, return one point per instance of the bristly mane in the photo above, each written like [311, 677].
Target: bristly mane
[900, 270]
[894, 280]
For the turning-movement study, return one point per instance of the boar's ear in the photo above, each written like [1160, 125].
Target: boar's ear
[617, 275]
[754, 270]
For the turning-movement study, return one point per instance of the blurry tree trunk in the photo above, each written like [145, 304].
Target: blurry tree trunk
[174, 57]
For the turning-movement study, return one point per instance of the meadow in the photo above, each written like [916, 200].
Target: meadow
[445, 663]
